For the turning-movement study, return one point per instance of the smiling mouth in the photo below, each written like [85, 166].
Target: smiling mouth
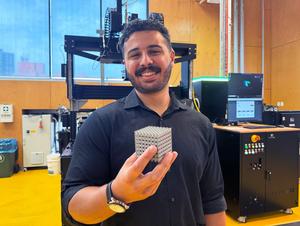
[148, 73]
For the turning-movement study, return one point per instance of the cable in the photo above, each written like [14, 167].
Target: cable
[55, 138]
[195, 101]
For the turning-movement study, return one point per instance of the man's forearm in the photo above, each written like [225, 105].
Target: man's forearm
[216, 219]
[89, 205]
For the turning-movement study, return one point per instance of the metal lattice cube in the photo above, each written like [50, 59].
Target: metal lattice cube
[161, 137]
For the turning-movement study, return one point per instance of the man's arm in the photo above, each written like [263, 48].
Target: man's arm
[216, 219]
[212, 185]
[89, 205]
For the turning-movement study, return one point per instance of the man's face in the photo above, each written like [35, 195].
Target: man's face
[148, 61]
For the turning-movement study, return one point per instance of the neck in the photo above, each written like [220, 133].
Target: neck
[158, 102]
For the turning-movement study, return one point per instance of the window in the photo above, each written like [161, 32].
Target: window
[32, 45]
[24, 43]
[70, 18]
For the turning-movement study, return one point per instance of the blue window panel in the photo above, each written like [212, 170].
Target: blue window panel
[86, 68]
[24, 43]
[74, 17]
[114, 72]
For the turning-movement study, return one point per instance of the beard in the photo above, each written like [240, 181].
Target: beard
[159, 84]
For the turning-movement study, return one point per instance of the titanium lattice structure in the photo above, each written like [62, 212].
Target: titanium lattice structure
[161, 137]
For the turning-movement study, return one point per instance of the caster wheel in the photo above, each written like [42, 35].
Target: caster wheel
[242, 219]
[287, 211]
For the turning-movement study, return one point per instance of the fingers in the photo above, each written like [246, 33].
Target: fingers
[151, 190]
[136, 186]
[158, 173]
[163, 167]
[131, 159]
[136, 165]
[141, 162]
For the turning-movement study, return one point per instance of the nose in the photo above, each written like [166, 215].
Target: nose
[146, 60]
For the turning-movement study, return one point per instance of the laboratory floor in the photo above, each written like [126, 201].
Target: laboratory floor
[32, 198]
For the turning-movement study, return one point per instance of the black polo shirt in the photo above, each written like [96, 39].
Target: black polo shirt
[192, 188]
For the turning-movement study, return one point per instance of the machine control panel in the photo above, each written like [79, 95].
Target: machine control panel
[254, 148]
[255, 145]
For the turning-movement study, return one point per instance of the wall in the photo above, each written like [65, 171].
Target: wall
[253, 41]
[285, 53]
[281, 50]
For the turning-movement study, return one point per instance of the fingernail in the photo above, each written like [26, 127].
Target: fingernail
[175, 155]
[152, 147]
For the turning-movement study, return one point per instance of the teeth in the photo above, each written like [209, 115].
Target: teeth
[148, 73]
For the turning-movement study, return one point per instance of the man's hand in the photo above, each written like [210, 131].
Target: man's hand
[132, 185]
[89, 205]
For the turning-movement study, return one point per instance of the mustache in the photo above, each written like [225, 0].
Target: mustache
[151, 67]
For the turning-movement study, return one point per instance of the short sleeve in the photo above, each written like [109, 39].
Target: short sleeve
[212, 184]
[89, 165]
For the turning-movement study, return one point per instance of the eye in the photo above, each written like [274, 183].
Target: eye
[154, 52]
[134, 55]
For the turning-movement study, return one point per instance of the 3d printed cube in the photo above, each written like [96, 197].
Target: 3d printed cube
[161, 137]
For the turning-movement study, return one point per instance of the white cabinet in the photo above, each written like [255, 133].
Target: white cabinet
[37, 139]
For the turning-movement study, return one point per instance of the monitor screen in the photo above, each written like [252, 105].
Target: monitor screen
[242, 85]
[244, 109]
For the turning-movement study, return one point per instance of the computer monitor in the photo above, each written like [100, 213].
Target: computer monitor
[244, 110]
[243, 85]
[245, 103]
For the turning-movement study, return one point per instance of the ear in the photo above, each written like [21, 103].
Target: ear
[172, 55]
[125, 63]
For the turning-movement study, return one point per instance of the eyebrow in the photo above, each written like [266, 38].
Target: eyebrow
[149, 47]
[132, 50]
[154, 46]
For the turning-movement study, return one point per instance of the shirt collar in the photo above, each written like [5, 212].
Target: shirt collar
[176, 103]
[132, 101]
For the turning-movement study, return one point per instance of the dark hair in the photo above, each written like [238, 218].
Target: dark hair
[143, 25]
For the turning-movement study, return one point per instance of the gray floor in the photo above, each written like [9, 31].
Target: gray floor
[291, 224]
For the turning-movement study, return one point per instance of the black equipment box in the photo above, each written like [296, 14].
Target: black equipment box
[285, 118]
[212, 96]
[260, 169]
[290, 118]
[271, 118]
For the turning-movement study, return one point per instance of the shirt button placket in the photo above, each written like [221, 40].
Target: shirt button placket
[160, 122]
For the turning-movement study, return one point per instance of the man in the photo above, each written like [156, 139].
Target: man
[106, 177]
